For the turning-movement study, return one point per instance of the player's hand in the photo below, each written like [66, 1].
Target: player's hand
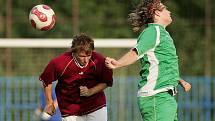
[185, 85]
[111, 63]
[50, 109]
[84, 91]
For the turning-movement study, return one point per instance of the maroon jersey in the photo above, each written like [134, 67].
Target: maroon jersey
[70, 77]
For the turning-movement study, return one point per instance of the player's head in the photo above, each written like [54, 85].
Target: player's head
[144, 13]
[82, 42]
[82, 48]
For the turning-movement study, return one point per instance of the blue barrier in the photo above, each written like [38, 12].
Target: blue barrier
[19, 97]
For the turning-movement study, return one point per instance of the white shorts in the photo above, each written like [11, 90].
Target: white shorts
[99, 115]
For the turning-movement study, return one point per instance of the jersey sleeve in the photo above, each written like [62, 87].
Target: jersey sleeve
[107, 76]
[146, 41]
[49, 74]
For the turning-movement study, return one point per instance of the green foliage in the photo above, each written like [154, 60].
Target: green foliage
[188, 32]
[108, 19]
[104, 19]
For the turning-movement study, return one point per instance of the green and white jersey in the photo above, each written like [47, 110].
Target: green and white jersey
[159, 61]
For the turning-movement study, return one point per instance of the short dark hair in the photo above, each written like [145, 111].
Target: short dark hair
[82, 42]
[143, 14]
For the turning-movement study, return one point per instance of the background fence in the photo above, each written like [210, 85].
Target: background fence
[193, 28]
[19, 97]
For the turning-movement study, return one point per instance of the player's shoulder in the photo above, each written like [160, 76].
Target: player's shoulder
[149, 29]
[148, 32]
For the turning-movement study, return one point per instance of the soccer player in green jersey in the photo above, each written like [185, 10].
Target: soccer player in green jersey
[159, 62]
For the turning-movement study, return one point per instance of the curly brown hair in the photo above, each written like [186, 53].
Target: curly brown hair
[82, 42]
[143, 14]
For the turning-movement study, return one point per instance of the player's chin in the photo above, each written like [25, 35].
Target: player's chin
[83, 63]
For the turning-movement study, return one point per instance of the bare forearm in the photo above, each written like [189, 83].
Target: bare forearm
[84, 91]
[181, 81]
[48, 94]
[55, 103]
[98, 88]
[185, 85]
[128, 58]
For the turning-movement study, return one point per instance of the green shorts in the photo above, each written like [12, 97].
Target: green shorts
[159, 107]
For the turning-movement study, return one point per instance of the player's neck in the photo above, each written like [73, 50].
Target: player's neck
[78, 63]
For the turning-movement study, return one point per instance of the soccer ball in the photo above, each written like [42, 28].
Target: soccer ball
[42, 17]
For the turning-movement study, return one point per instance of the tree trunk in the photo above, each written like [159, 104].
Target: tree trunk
[8, 55]
[208, 33]
[75, 16]
[1, 23]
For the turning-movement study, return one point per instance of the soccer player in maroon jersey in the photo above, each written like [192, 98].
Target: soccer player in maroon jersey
[82, 76]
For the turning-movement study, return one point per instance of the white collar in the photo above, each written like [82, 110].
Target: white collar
[77, 63]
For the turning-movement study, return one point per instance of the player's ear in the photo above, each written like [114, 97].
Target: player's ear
[157, 13]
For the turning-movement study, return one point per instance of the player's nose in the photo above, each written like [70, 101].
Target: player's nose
[86, 59]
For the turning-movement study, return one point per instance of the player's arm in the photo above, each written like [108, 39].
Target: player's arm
[84, 91]
[146, 41]
[49, 108]
[129, 58]
[185, 85]
[55, 104]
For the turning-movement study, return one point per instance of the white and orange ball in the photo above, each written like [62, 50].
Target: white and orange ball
[42, 17]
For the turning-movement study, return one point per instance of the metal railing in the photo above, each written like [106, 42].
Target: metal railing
[19, 97]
